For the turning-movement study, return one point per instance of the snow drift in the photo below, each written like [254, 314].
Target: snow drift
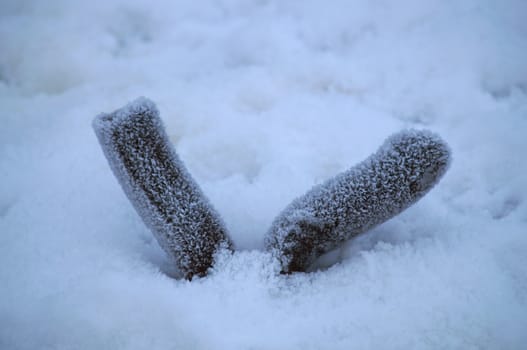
[263, 100]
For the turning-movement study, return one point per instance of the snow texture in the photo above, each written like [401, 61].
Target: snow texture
[263, 99]
[159, 186]
[401, 172]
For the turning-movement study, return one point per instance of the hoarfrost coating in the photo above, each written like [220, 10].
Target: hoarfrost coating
[404, 169]
[164, 194]
[159, 186]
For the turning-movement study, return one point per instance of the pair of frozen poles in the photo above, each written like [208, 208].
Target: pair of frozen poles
[189, 229]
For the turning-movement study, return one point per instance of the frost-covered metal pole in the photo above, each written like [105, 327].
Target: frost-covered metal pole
[160, 188]
[405, 168]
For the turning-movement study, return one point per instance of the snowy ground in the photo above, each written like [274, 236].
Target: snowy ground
[263, 99]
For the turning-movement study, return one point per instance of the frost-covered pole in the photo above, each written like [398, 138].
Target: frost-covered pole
[160, 188]
[405, 167]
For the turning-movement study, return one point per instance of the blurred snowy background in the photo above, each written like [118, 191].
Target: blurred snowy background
[263, 99]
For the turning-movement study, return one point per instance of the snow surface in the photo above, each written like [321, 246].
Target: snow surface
[263, 99]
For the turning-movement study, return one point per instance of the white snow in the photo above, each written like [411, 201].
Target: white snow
[262, 100]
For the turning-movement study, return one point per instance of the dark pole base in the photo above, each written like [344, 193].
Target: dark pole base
[160, 188]
[401, 172]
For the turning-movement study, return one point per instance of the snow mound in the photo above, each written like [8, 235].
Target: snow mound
[263, 100]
